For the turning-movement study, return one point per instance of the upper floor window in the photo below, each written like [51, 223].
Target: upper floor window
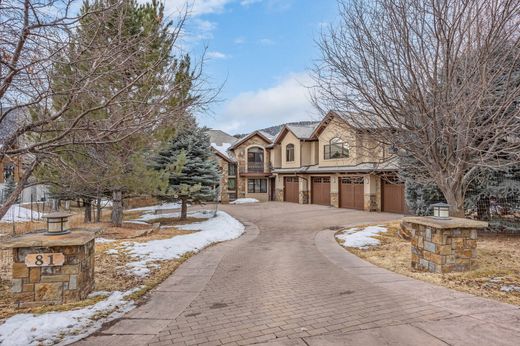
[255, 159]
[289, 152]
[336, 149]
[232, 169]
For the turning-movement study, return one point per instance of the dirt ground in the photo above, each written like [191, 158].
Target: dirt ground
[498, 265]
[110, 274]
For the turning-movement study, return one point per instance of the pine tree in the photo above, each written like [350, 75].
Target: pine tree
[191, 168]
[10, 186]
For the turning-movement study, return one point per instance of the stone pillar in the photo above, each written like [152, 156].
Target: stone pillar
[334, 193]
[51, 269]
[303, 188]
[443, 246]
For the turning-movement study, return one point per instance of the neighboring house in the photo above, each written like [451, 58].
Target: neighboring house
[11, 167]
[220, 144]
[329, 163]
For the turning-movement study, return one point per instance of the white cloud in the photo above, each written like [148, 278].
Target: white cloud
[249, 2]
[239, 40]
[196, 7]
[217, 55]
[266, 42]
[286, 101]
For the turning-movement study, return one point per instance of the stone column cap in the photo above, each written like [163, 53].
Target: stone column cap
[74, 238]
[453, 222]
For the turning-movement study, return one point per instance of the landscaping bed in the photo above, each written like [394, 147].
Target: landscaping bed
[130, 260]
[497, 273]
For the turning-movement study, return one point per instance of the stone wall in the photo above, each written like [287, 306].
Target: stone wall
[442, 246]
[73, 281]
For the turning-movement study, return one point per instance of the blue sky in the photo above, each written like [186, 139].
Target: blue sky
[262, 51]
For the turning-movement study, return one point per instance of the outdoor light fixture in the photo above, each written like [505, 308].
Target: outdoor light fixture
[441, 211]
[57, 223]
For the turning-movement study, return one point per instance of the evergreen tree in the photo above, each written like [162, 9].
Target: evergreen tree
[10, 186]
[191, 168]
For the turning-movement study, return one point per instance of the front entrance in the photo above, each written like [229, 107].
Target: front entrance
[321, 190]
[393, 196]
[291, 190]
[351, 193]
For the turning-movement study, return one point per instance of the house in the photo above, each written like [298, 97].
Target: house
[11, 167]
[329, 163]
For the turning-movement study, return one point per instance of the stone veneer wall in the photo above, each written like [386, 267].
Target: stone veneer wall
[241, 157]
[224, 176]
[53, 285]
[443, 246]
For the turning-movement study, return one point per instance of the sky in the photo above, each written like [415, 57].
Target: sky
[260, 52]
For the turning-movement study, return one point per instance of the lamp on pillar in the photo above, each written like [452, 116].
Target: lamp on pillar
[441, 211]
[57, 223]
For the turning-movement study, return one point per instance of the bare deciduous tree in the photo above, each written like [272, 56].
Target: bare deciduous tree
[438, 80]
[50, 104]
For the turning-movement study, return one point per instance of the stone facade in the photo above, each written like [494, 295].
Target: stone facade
[70, 282]
[226, 195]
[442, 246]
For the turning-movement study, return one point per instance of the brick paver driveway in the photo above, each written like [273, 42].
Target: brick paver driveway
[286, 282]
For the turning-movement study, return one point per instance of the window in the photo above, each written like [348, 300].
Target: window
[256, 185]
[255, 159]
[336, 149]
[232, 184]
[8, 172]
[289, 152]
[232, 169]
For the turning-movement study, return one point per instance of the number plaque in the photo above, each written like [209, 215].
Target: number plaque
[44, 259]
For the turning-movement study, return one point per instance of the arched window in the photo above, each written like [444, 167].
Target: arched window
[336, 149]
[255, 159]
[289, 152]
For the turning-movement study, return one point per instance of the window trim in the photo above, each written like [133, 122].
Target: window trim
[289, 152]
[256, 184]
[235, 185]
[341, 147]
[232, 165]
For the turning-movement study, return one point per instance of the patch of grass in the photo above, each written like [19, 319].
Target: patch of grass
[498, 264]
[110, 274]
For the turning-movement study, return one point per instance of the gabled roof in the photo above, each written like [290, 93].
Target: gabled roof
[302, 132]
[324, 123]
[264, 135]
[221, 142]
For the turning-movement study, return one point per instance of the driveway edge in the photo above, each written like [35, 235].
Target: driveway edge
[170, 298]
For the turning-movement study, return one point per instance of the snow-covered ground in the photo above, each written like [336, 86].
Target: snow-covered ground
[20, 214]
[361, 238]
[244, 201]
[63, 327]
[163, 206]
[212, 230]
[147, 218]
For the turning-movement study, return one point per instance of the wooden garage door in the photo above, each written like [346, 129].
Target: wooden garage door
[321, 190]
[291, 190]
[393, 196]
[351, 193]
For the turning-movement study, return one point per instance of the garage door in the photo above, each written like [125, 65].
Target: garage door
[321, 190]
[291, 189]
[351, 193]
[393, 196]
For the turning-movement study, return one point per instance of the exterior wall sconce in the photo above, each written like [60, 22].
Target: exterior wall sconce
[57, 223]
[441, 211]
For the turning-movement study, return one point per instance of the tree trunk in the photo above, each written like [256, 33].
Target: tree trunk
[98, 210]
[88, 210]
[184, 209]
[11, 199]
[117, 208]
[455, 199]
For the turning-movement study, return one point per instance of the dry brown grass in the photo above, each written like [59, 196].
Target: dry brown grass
[498, 264]
[110, 270]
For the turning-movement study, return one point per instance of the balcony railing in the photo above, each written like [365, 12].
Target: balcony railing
[253, 167]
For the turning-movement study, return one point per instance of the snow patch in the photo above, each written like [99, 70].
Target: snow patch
[17, 213]
[158, 207]
[63, 327]
[104, 240]
[354, 237]
[215, 229]
[147, 218]
[244, 201]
